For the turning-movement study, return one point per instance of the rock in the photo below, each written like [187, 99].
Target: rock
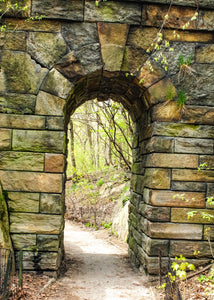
[188, 248]
[194, 175]
[23, 202]
[24, 241]
[166, 112]
[55, 123]
[47, 242]
[22, 121]
[181, 215]
[120, 220]
[157, 178]
[198, 115]
[5, 141]
[54, 163]
[51, 203]
[171, 160]
[112, 57]
[12, 103]
[47, 104]
[159, 91]
[205, 54]
[188, 145]
[157, 144]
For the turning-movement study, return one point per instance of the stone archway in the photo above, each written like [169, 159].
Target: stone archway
[51, 67]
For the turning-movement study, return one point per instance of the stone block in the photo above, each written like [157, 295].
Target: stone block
[15, 41]
[138, 168]
[5, 139]
[31, 25]
[198, 114]
[175, 231]
[148, 77]
[135, 199]
[51, 203]
[207, 17]
[112, 33]
[194, 175]
[152, 246]
[187, 145]
[181, 215]
[26, 161]
[168, 160]
[114, 12]
[157, 178]
[188, 36]
[133, 59]
[46, 48]
[174, 199]
[35, 223]
[55, 123]
[189, 186]
[187, 249]
[142, 37]
[51, 84]
[159, 91]
[31, 182]
[210, 189]
[205, 54]
[154, 213]
[208, 159]
[40, 261]
[54, 163]
[209, 232]
[38, 141]
[112, 57]
[22, 121]
[166, 112]
[23, 202]
[22, 74]
[157, 144]
[24, 241]
[56, 9]
[17, 104]
[47, 242]
[47, 104]
[137, 183]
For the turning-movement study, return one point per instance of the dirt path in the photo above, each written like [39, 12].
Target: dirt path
[98, 269]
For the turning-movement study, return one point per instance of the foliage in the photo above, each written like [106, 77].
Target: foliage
[182, 98]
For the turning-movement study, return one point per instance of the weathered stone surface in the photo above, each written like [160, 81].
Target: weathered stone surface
[54, 163]
[133, 59]
[15, 41]
[55, 123]
[155, 213]
[170, 198]
[148, 77]
[187, 145]
[188, 36]
[198, 114]
[78, 35]
[205, 54]
[31, 25]
[189, 186]
[47, 104]
[18, 121]
[56, 9]
[206, 19]
[152, 246]
[47, 242]
[112, 57]
[112, 33]
[141, 37]
[159, 91]
[157, 178]
[38, 141]
[188, 248]
[181, 215]
[169, 160]
[51, 203]
[210, 189]
[40, 261]
[31, 182]
[137, 183]
[138, 168]
[17, 103]
[56, 84]
[24, 241]
[157, 144]
[9, 8]
[23, 202]
[183, 130]
[175, 231]
[166, 112]
[35, 223]
[194, 175]
[113, 12]
[135, 199]
[46, 48]
[209, 232]
[22, 73]
[27, 161]
[5, 139]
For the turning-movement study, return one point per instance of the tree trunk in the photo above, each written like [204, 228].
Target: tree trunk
[71, 137]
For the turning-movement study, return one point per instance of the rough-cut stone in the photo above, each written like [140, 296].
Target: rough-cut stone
[170, 198]
[138, 168]
[54, 163]
[23, 202]
[46, 48]
[51, 203]
[187, 145]
[198, 114]
[27, 161]
[37, 261]
[188, 36]
[56, 9]
[47, 242]
[152, 213]
[194, 175]
[188, 186]
[47, 104]
[137, 183]
[55, 123]
[30, 25]
[141, 37]
[5, 139]
[9, 8]
[38, 141]
[209, 232]
[112, 33]
[170, 160]
[113, 12]
[22, 73]
[159, 91]
[189, 248]
[35, 223]
[175, 231]
[112, 57]
[157, 178]
[18, 121]
[166, 112]
[133, 59]
[15, 41]
[55, 83]
[152, 246]
[31, 182]
[157, 144]
[148, 77]
[24, 241]
[17, 103]
[181, 215]
[205, 54]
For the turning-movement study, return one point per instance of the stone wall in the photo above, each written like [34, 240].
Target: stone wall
[79, 52]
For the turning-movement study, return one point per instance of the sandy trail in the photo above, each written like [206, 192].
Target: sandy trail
[98, 269]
